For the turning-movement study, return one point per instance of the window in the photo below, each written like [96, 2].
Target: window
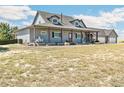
[39, 22]
[77, 35]
[55, 21]
[77, 24]
[56, 34]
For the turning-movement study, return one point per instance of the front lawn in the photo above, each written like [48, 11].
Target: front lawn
[80, 65]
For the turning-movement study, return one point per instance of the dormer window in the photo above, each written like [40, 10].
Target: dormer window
[78, 23]
[55, 21]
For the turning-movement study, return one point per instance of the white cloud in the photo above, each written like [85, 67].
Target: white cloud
[16, 12]
[3, 20]
[26, 23]
[105, 19]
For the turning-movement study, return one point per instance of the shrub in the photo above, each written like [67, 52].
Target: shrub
[14, 41]
[97, 41]
[72, 43]
[121, 42]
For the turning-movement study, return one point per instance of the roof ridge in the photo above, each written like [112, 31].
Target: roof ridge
[54, 13]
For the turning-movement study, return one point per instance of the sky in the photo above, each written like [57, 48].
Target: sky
[100, 16]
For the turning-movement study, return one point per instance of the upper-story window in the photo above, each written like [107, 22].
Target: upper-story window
[55, 20]
[78, 23]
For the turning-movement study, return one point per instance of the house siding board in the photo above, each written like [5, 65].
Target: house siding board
[101, 39]
[32, 35]
[65, 35]
[55, 40]
[112, 40]
[39, 20]
[76, 40]
[112, 37]
[24, 35]
[42, 33]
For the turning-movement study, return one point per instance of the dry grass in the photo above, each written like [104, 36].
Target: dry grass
[88, 65]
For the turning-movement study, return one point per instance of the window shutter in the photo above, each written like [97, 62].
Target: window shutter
[53, 34]
[75, 35]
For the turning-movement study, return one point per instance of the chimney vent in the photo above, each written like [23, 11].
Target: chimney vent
[61, 17]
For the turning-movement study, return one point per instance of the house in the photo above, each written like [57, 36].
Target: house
[55, 28]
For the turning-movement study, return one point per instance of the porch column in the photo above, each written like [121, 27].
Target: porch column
[81, 36]
[86, 36]
[48, 35]
[34, 34]
[72, 35]
[89, 37]
[96, 36]
[61, 35]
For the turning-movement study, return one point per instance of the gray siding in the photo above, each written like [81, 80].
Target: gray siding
[54, 40]
[65, 35]
[101, 39]
[32, 35]
[24, 35]
[43, 33]
[76, 40]
[111, 38]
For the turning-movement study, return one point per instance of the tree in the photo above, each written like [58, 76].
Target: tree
[6, 31]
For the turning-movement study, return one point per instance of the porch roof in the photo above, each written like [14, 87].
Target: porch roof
[61, 27]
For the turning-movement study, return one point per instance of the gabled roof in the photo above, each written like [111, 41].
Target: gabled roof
[107, 32]
[66, 23]
[45, 15]
[54, 16]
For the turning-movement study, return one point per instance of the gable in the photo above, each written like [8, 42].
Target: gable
[113, 34]
[65, 19]
[38, 19]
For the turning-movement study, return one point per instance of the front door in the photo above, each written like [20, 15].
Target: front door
[70, 37]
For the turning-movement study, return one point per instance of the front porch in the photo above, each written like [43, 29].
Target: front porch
[58, 36]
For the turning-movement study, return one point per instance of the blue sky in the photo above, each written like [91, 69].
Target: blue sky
[101, 16]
